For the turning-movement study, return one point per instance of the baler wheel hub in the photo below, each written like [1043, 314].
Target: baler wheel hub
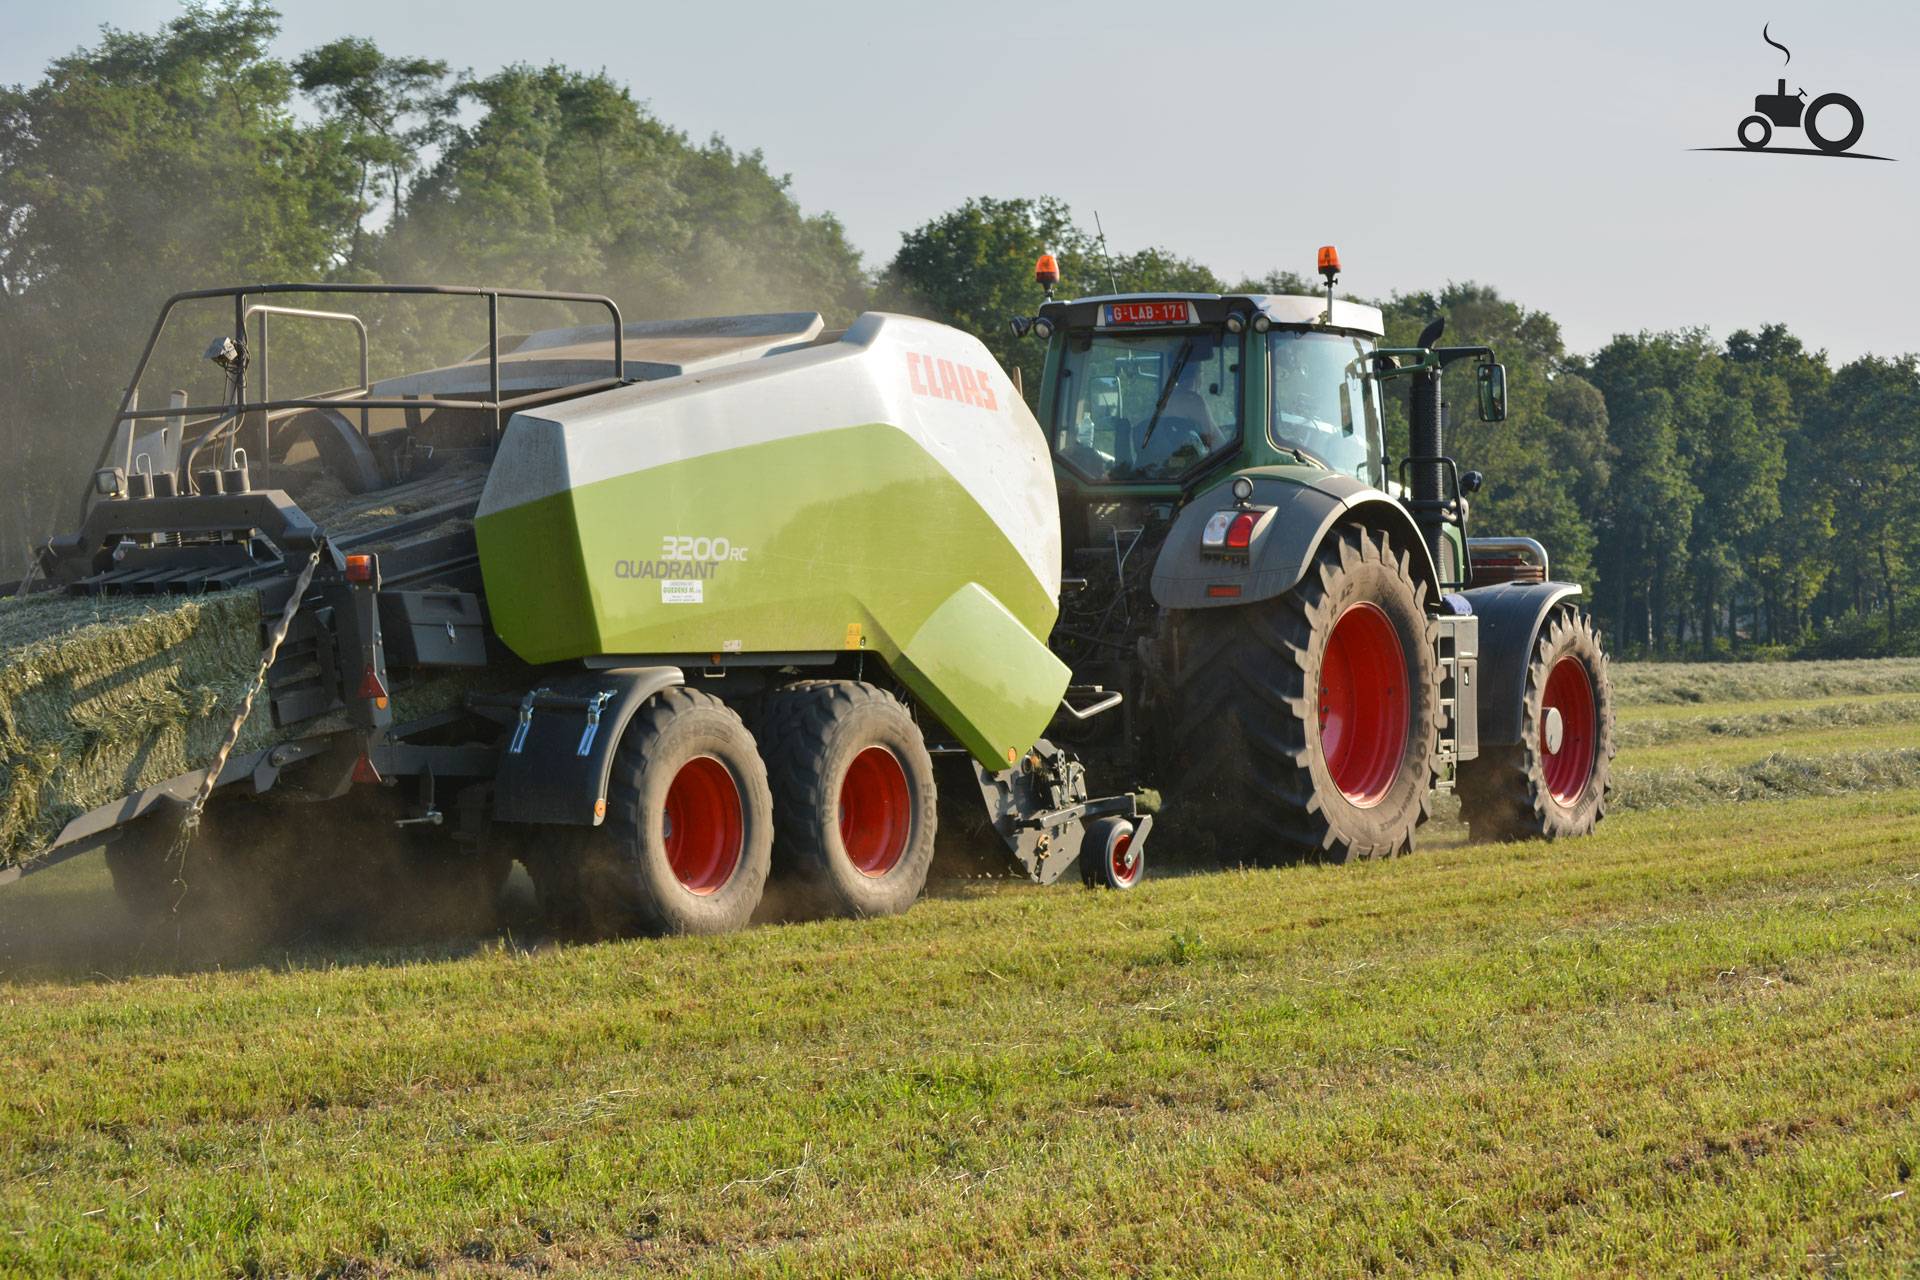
[876, 811]
[1126, 863]
[703, 825]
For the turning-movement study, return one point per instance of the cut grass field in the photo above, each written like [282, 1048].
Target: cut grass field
[1690, 1044]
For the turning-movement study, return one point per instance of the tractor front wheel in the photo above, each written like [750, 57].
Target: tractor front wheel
[689, 831]
[1307, 725]
[854, 797]
[1553, 782]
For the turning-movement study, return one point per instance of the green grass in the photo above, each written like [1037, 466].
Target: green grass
[1685, 683]
[1690, 1044]
[1840, 739]
[1651, 726]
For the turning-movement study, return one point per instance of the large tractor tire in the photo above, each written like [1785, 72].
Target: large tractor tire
[689, 831]
[854, 798]
[1553, 783]
[1307, 725]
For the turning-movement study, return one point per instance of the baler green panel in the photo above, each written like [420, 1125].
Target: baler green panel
[887, 492]
[849, 538]
[536, 549]
[855, 532]
[984, 674]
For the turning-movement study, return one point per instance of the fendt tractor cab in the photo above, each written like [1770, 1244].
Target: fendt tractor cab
[1310, 644]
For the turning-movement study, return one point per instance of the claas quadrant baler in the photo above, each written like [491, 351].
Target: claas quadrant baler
[660, 610]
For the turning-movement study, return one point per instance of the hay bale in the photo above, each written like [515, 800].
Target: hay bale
[102, 696]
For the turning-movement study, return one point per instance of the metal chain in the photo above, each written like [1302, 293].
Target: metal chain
[26, 580]
[190, 825]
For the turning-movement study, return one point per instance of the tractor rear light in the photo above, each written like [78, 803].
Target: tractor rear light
[1240, 532]
[359, 568]
[1233, 531]
[1223, 590]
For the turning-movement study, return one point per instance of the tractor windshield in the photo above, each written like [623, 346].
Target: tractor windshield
[1146, 406]
[1323, 402]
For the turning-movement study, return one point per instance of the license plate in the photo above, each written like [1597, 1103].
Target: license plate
[1149, 313]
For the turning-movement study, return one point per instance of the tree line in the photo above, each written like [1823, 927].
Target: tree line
[1743, 497]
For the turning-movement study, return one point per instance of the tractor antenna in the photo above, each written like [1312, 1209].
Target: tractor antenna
[1112, 279]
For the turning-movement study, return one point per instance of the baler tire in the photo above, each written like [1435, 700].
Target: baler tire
[636, 874]
[1247, 718]
[553, 869]
[1107, 857]
[1507, 793]
[220, 881]
[454, 888]
[870, 859]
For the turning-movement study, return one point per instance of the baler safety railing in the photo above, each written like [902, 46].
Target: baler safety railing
[129, 412]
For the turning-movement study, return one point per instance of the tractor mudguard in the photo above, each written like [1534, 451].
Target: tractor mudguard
[560, 742]
[1307, 505]
[1511, 615]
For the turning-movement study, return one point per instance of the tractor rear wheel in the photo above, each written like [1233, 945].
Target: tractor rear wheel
[1553, 782]
[688, 835]
[1307, 725]
[854, 800]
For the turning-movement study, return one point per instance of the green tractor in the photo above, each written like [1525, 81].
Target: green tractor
[1308, 642]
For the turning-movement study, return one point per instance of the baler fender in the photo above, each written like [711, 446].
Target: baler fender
[1511, 615]
[1304, 514]
[560, 742]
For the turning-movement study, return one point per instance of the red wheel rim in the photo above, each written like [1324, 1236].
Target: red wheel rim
[876, 811]
[703, 825]
[1570, 694]
[1364, 704]
[1120, 858]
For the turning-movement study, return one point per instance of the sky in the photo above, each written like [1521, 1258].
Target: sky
[1543, 149]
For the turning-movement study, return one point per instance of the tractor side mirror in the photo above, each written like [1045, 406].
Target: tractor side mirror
[1493, 392]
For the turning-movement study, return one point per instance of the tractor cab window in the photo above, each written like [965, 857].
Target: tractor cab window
[1324, 405]
[1147, 406]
